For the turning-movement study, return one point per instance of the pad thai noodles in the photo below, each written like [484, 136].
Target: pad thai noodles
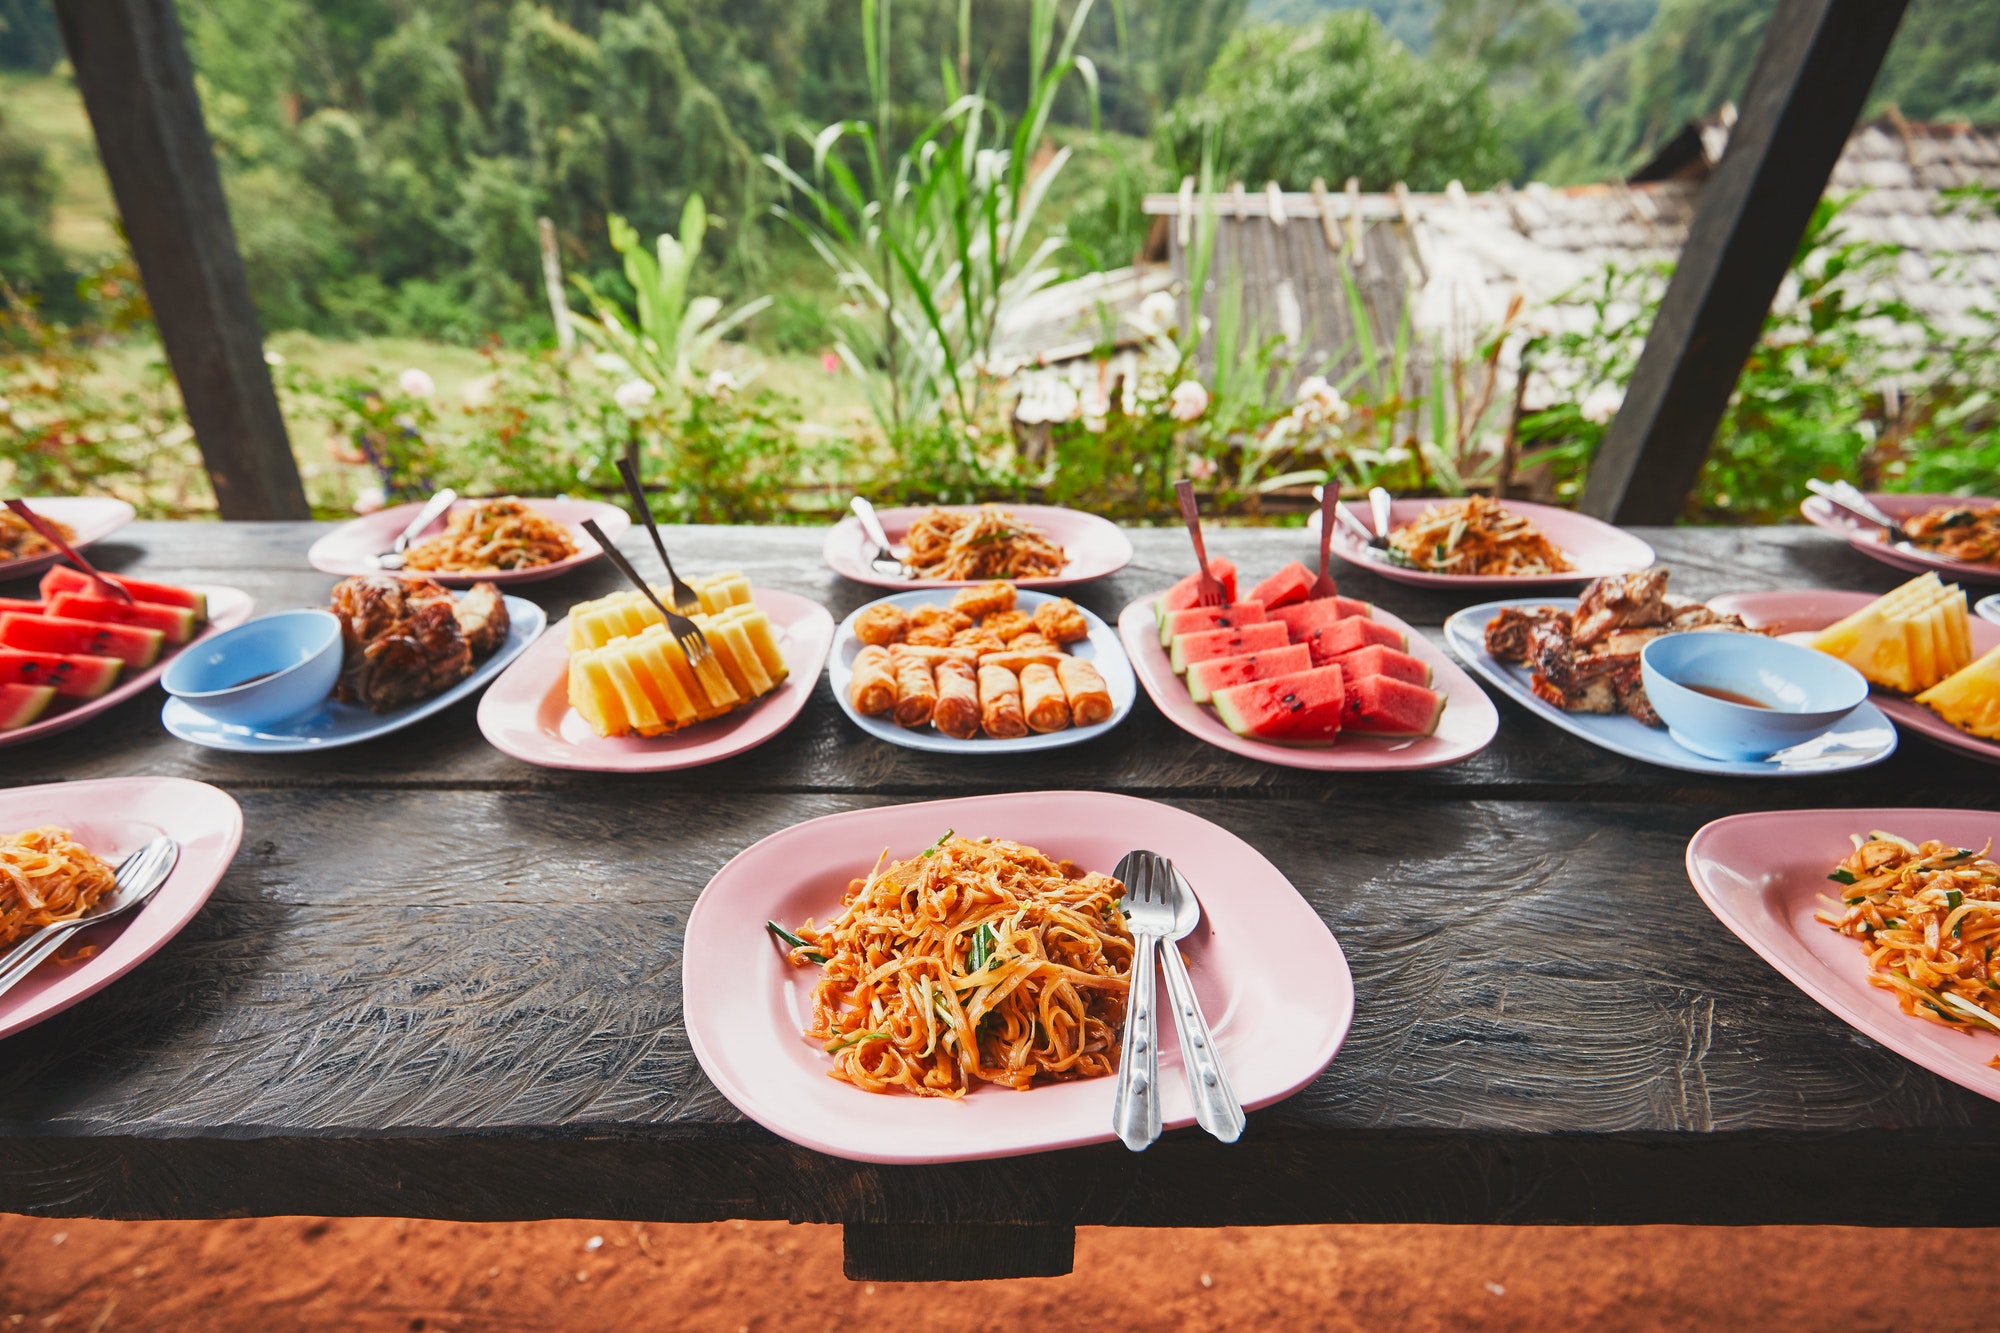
[45, 877]
[1929, 916]
[986, 543]
[978, 959]
[1969, 531]
[490, 535]
[19, 541]
[1475, 536]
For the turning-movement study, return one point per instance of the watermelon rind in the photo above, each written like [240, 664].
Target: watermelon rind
[62, 578]
[1237, 707]
[134, 645]
[22, 704]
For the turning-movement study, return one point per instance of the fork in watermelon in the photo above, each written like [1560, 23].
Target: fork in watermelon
[1210, 586]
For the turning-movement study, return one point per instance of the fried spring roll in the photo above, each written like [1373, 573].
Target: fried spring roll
[873, 686]
[1000, 703]
[1042, 695]
[935, 652]
[957, 712]
[1017, 661]
[916, 691]
[1089, 700]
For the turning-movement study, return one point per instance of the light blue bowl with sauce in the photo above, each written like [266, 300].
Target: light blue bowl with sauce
[263, 671]
[1743, 696]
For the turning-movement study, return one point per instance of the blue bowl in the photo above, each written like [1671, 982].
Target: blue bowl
[1799, 692]
[263, 671]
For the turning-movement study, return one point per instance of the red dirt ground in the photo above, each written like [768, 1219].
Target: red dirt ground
[285, 1273]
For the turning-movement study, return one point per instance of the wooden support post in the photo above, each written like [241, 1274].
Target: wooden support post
[1806, 92]
[132, 68]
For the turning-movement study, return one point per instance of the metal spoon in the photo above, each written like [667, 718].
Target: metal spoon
[138, 877]
[893, 557]
[1215, 1106]
[1379, 505]
[47, 529]
[429, 514]
[1355, 525]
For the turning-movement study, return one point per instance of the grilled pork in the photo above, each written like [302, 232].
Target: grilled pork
[407, 638]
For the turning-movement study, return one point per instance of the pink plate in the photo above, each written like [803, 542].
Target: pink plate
[1819, 607]
[526, 712]
[115, 817]
[1764, 875]
[1468, 724]
[227, 608]
[1271, 977]
[351, 547]
[91, 517]
[1592, 545]
[1868, 539]
[1094, 546]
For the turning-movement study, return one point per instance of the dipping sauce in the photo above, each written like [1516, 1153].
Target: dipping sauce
[1727, 696]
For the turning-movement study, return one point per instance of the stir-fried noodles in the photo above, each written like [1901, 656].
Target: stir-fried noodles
[1967, 531]
[19, 540]
[492, 535]
[1929, 916]
[988, 543]
[45, 878]
[977, 959]
[1475, 535]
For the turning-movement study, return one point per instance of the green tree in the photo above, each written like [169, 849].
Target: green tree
[1334, 99]
[30, 263]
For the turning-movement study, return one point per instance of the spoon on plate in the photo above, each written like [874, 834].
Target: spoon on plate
[1354, 525]
[138, 877]
[433, 509]
[888, 558]
[48, 530]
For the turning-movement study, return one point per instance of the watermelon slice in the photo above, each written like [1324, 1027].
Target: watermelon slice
[61, 579]
[74, 675]
[1205, 678]
[1187, 592]
[1197, 618]
[1199, 647]
[1293, 583]
[22, 704]
[1380, 660]
[1302, 618]
[8, 605]
[1349, 635]
[176, 622]
[130, 644]
[1304, 706]
[1385, 706]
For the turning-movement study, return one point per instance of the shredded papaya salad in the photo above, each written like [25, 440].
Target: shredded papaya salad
[977, 959]
[1929, 916]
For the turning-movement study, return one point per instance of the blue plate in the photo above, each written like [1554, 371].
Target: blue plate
[1102, 650]
[1863, 737]
[1989, 608]
[335, 724]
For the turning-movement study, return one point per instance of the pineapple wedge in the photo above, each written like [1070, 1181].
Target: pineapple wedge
[1969, 699]
[1907, 640]
[628, 675]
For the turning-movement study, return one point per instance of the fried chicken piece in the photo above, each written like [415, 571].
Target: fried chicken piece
[1507, 633]
[881, 624]
[985, 600]
[1564, 677]
[1032, 642]
[929, 614]
[402, 640]
[936, 634]
[1005, 625]
[1061, 621]
[482, 619]
[1620, 601]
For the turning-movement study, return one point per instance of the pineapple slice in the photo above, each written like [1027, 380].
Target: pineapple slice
[1906, 640]
[1969, 699]
[627, 673]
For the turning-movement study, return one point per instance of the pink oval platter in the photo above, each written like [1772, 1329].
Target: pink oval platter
[1816, 608]
[115, 817]
[526, 712]
[351, 547]
[1592, 545]
[1870, 540]
[91, 517]
[227, 608]
[1094, 546]
[1764, 875]
[1467, 727]
[1271, 977]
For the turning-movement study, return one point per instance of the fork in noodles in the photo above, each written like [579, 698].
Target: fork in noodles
[492, 535]
[45, 877]
[976, 959]
[1929, 916]
[1475, 535]
[988, 543]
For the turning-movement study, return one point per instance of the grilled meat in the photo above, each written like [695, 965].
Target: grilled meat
[407, 638]
[1507, 633]
[1623, 601]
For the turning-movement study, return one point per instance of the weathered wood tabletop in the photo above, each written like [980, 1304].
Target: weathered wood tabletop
[438, 982]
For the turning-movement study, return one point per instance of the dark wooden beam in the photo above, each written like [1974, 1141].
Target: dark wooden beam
[132, 68]
[1805, 94]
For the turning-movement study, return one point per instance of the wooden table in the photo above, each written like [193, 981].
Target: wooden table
[441, 983]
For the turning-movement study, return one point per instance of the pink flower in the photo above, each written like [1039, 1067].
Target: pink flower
[830, 362]
[1201, 468]
[1188, 401]
[369, 499]
[416, 383]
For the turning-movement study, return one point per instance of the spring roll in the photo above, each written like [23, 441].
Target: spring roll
[1042, 695]
[873, 686]
[935, 653]
[957, 712]
[1089, 700]
[1000, 703]
[916, 691]
[1016, 661]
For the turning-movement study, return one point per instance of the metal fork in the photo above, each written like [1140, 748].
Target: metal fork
[43, 526]
[1210, 587]
[686, 599]
[433, 510]
[1329, 499]
[688, 634]
[137, 877]
[1855, 501]
[1135, 1106]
